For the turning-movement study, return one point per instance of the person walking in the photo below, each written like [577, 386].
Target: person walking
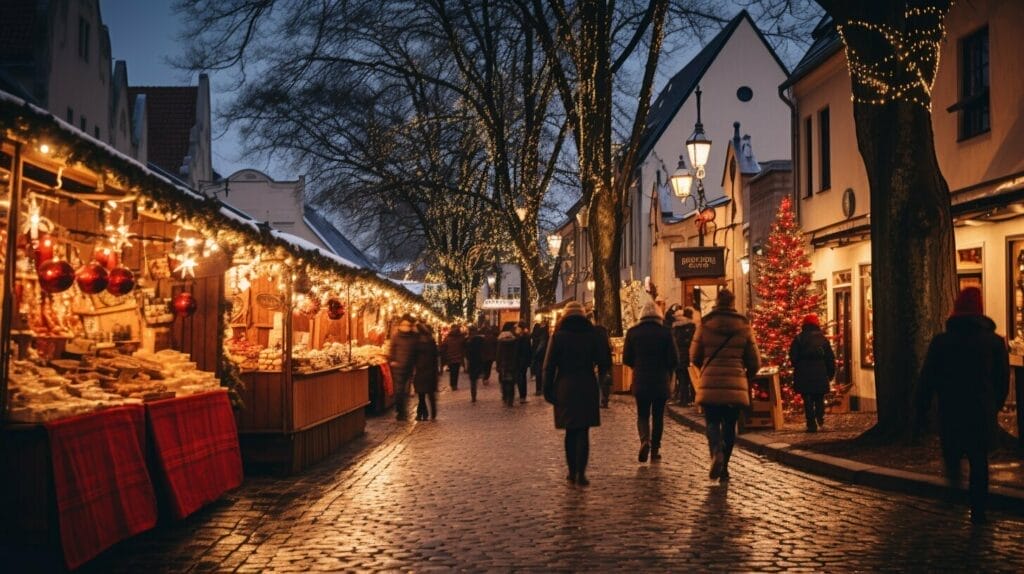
[453, 352]
[968, 367]
[725, 349]
[427, 372]
[814, 365]
[508, 362]
[683, 329]
[539, 347]
[574, 351]
[524, 356]
[651, 353]
[402, 359]
[474, 359]
[490, 350]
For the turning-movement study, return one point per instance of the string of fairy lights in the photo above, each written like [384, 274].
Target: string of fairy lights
[908, 72]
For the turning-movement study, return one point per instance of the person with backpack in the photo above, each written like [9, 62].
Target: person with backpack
[814, 365]
[725, 349]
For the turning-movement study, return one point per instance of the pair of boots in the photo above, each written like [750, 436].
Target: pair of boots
[719, 467]
[645, 449]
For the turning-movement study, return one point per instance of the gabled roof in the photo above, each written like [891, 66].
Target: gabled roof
[826, 42]
[170, 115]
[17, 30]
[335, 239]
[679, 88]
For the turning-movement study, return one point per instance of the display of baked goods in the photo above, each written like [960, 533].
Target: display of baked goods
[270, 360]
[39, 393]
[243, 352]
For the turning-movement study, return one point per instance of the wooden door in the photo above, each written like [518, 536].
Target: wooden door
[843, 340]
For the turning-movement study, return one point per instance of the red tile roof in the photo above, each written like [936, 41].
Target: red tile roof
[17, 30]
[170, 115]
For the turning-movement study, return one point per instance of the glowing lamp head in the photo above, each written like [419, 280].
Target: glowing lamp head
[554, 244]
[698, 147]
[681, 180]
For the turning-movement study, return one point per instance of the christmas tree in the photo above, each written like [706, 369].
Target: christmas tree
[784, 289]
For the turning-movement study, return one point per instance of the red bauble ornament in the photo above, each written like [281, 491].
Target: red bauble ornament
[121, 281]
[106, 257]
[56, 276]
[184, 304]
[43, 249]
[335, 309]
[91, 278]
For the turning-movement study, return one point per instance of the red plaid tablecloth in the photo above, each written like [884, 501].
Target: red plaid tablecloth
[196, 445]
[103, 490]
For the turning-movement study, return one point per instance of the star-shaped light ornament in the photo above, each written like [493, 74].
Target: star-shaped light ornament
[120, 234]
[187, 267]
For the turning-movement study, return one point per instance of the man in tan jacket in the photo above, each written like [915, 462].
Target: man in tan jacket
[725, 352]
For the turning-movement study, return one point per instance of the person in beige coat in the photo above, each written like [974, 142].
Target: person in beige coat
[725, 352]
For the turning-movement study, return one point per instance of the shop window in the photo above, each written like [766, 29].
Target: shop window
[973, 106]
[808, 157]
[825, 150]
[867, 318]
[1016, 330]
[968, 268]
[513, 292]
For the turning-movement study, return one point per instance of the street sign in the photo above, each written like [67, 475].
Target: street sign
[699, 262]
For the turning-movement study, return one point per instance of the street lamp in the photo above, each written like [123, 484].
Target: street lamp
[590, 285]
[491, 280]
[698, 148]
[745, 264]
[554, 244]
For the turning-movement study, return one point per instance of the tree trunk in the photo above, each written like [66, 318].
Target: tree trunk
[605, 243]
[912, 240]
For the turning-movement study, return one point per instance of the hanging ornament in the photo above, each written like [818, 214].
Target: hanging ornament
[121, 281]
[187, 267]
[56, 275]
[92, 278]
[184, 304]
[43, 249]
[310, 307]
[106, 257]
[119, 234]
[335, 309]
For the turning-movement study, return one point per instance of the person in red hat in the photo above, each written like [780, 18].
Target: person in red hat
[814, 365]
[968, 367]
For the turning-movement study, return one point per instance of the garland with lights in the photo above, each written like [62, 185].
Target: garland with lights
[783, 287]
[23, 122]
[908, 72]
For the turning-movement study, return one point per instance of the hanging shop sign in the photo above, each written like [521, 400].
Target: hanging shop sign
[702, 262]
[500, 304]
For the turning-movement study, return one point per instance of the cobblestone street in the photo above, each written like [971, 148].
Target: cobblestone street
[483, 488]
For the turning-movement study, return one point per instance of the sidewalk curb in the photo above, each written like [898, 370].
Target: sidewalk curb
[859, 473]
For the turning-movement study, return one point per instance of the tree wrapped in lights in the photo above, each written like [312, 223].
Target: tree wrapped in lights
[784, 289]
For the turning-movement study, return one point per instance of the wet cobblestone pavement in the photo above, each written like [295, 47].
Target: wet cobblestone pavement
[483, 488]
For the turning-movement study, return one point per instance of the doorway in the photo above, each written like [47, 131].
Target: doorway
[843, 340]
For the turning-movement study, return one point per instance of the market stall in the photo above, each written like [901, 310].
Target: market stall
[116, 397]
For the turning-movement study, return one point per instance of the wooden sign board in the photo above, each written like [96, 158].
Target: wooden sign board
[699, 262]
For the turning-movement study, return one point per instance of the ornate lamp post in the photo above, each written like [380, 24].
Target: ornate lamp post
[698, 148]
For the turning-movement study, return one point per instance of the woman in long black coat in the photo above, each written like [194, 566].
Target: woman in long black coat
[814, 365]
[425, 379]
[651, 353]
[574, 351]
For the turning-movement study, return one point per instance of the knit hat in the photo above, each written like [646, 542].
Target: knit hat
[574, 308]
[811, 319]
[726, 299]
[650, 309]
[968, 302]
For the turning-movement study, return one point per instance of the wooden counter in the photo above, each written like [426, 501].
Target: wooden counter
[290, 421]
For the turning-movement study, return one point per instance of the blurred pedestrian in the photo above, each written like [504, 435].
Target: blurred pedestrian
[490, 350]
[402, 359]
[683, 329]
[650, 352]
[539, 347]
[814, 365]
[968, 367]
[427, 372]
[724, 347]
[524, 356]
[508, 362]
[574, 351]
[453, 352]
[474, 359]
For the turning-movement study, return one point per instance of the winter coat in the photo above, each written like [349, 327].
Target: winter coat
[453, 349]
[725, 379]
[682, 335]
[524, 353]
[507, 357]
[474, 350]
[490, 348]
[574, 350]
[403, 355]
[425, 379]
[968, 367]
[814, 363]
[651, 353]
[539, 346]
